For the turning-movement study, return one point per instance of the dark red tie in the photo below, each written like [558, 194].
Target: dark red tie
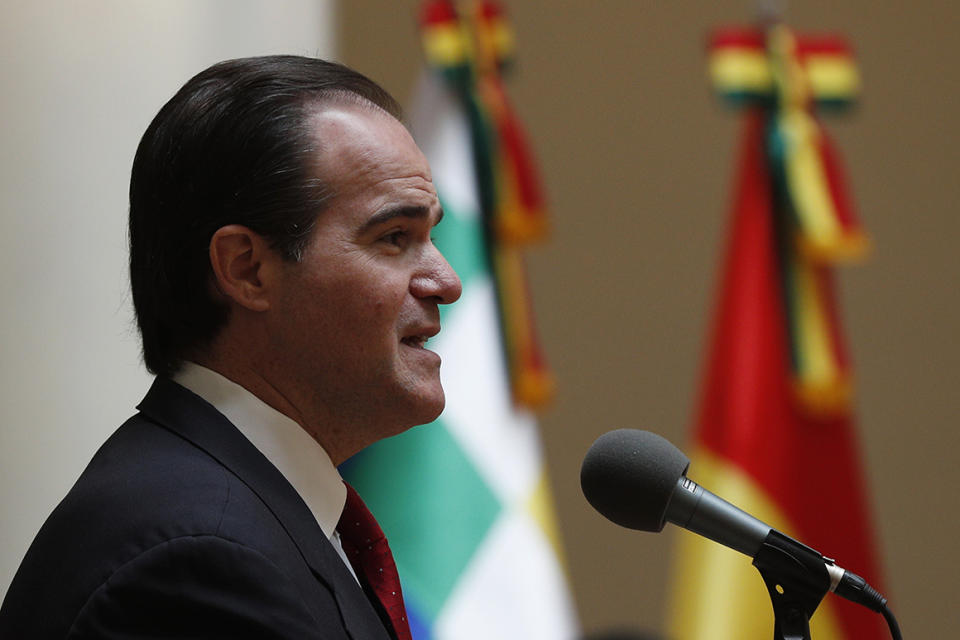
[366, 547]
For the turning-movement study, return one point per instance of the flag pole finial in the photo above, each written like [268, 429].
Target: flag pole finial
[770, 12]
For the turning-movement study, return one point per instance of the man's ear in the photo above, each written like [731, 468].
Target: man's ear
[242, 263]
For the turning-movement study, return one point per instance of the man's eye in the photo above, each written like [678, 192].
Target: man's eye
[396, 238]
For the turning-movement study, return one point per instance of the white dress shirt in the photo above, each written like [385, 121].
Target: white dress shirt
[300, 458]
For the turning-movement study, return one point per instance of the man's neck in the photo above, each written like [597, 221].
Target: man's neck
[254, 380]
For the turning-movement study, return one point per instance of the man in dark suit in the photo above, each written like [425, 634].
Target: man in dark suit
[285, 284]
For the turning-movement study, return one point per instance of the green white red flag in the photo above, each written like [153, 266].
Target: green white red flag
[465, 501]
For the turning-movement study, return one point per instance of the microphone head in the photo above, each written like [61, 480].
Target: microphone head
[629, 475]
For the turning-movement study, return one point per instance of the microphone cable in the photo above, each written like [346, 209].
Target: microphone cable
[891, 623]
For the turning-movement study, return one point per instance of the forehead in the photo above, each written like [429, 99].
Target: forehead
[360, 145]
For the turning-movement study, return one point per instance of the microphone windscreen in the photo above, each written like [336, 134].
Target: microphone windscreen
[628, 475]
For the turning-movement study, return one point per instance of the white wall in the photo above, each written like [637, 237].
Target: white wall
[79, 83]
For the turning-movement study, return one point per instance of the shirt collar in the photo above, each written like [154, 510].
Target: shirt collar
[300, 458]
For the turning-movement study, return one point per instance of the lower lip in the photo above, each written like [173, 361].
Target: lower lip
[426, 353]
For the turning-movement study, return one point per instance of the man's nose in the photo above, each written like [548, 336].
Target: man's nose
[438, 280]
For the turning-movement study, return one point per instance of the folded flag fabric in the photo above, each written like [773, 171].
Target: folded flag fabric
[465, 501]
[775, 433]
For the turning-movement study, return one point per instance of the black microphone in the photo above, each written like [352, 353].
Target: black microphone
[638, 480]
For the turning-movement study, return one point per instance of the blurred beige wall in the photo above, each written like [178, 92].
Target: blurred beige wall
[80, 83]
[637, 158]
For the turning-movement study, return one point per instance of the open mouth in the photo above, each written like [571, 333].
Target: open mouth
[416, 342]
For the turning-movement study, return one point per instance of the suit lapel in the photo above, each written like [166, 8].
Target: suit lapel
[194, 419]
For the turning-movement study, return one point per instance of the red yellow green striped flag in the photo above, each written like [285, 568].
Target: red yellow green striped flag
[775, 433]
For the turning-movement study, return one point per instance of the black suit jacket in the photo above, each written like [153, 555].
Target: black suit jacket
[180, 528]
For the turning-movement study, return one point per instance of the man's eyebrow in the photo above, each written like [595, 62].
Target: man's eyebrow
[401, 211]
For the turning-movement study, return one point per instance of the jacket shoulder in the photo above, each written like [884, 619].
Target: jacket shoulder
[202, 586]
[148, 496]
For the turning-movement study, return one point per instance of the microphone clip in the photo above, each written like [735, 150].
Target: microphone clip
[797, 580]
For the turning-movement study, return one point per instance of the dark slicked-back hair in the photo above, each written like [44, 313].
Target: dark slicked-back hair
[233, 146]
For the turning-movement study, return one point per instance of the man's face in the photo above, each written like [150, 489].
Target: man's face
[355, 313]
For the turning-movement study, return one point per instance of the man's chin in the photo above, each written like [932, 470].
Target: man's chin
[433, 409]
[428, 406]
[411, 404]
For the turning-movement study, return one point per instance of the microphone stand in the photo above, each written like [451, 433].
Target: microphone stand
[797, 580]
